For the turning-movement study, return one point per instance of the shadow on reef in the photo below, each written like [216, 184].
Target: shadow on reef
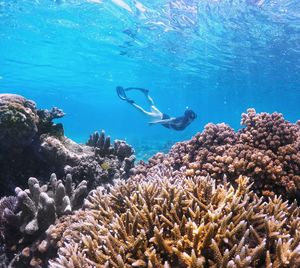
[32, 145]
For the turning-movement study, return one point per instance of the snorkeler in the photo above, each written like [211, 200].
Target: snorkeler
[176, 123]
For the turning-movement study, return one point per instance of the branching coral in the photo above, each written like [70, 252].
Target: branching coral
[116, 160]
[36, 209]
[164, 221]
[103, 146]
[267, 150]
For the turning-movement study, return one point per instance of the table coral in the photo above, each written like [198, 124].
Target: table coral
[267, 150]
[163, 221]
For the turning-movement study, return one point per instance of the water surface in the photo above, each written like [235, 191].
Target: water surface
[216, 57]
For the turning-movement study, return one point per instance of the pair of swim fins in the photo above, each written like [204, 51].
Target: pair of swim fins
[122, 95]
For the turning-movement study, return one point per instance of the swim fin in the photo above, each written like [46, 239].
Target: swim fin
[122, 95]
[144, 90]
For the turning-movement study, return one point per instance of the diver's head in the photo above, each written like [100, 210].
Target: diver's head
[190, 114]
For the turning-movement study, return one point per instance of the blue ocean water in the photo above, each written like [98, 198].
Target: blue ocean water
[218, 57]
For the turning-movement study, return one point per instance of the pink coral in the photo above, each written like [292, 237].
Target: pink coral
[267, 150]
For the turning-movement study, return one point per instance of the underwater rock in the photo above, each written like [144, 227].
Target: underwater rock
[35, 209]
[163, 221]
[32, 145]
[21, 125]
[267, 150]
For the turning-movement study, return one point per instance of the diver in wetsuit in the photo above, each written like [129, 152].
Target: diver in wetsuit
[176, 123]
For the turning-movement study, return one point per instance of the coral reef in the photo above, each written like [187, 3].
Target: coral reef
[10, 203]
[110, 161]
[212, 201]
[177, 221]
[32, 145]
[267, 150]
[46, 121]
[27, 216]
[18, 121]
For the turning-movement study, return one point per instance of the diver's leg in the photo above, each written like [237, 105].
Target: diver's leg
[149, 99]
[121, 93]
[141, 109]
[156, 111]
[143, 90]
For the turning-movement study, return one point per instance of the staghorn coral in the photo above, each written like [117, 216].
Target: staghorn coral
[163, 221]
[267, 150]
[35, 210]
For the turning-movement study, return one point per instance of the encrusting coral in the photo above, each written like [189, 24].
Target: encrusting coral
[25, 218]
[267, 150]
[18, 121]
[170, 220]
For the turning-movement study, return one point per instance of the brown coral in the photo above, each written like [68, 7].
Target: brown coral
[267, 150]
[164, 221]
[18, 121]
[24, 218]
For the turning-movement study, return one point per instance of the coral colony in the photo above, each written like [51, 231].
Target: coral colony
[222, 199]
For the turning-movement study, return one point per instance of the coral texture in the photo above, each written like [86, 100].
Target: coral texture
[18, 121]
[27, 218]
[175, 221]
[32, 145]
[110, 160]
[267, 150]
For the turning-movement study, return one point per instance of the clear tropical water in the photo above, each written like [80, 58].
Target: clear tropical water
[218, 57]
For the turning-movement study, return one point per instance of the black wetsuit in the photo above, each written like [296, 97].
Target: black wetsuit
[179, 123]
